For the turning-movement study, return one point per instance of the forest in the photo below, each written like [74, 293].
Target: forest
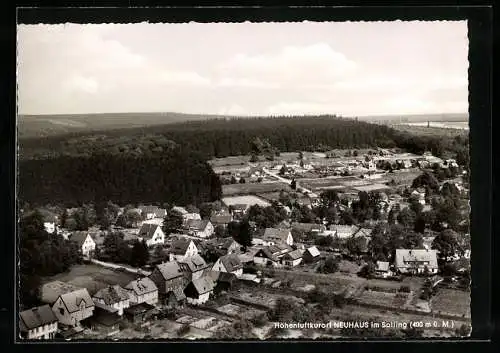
[177, 176]
[225, 137]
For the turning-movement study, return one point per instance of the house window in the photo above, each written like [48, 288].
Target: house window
[61, 311]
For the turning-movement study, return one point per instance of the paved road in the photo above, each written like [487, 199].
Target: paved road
[287, 181]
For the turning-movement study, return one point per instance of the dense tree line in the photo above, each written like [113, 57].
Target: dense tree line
[249, 136]
[176, 177]
[41, 254]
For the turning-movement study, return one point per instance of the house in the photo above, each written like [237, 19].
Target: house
[142, 290]
[416, 261]
[382, 269]
[221, 219]
[230, 264]
[138, 313]
[198, 291]
[181, 249]
[230, 246]
[152, 234]
[170, 281]
[419, 196]
[70, 304]
[364, 232]
[113, 299]
[292, 258]
[150, 212]
[186, 215]
[311, 254]
[38, 323]
[86, 244]
[104, 322]
[224, 281]
[344, 231]
[271, 255]
[193, 266]
[308, 227]
[239, 210]
[275, 236]
[199, 228]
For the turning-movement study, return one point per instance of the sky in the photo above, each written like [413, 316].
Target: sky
[343, 68]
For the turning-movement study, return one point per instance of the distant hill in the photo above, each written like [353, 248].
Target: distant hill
[30, 126]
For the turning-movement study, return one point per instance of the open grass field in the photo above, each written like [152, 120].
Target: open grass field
[400, 176]
[452, 131]
[246, 200]
[92, 277]
[254, 188]
[452, 302]
[229, 161]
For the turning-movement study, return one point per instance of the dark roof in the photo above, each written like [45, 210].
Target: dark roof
[79, 237]
[36, 317]
[276, 234]
[197, 224]
[140, 308]
[169, 270]
[203, 284]
[112, 294]
[294, 255]
[266, 253]
[142, 286]
[105, 317]
[180, 246]
[308, 227]
[193, 263]
[147, 230]
[231, 262]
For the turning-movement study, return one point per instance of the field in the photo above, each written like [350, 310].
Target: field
[229, 161]
[400, 176]
[92, 277]
[452, 302]
[431, 131]
[254, 188]
[246, 200]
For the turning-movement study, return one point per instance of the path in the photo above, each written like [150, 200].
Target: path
[115, 266]
[287, 181]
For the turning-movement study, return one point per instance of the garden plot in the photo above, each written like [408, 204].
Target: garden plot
[254, 188]
[245, 200]
[376, 298]
[451, 302]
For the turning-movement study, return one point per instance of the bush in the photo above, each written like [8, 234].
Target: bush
[259, 320]
[405, 289]
[276, 332]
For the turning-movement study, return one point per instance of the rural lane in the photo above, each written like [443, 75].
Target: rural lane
[287, 181]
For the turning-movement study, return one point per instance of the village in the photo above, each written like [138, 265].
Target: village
[349, 232]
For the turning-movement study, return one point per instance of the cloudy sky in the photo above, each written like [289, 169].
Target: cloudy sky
[349, 68]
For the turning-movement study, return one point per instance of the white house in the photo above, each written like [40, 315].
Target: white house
[186, 215]
[142, 290]
[413, 261]
[274, 235]
[38, 323]
[199, 228]
[50, 227]
[86, 244]
[152, 234]
[229, 263]
[181, 249]
[113, 299]
[198, 291]
[382, 269]
[72, 307]
[193, 266]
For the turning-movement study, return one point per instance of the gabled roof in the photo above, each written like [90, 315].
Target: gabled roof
[313, 251]
[170, 270]
[197, 224]
[265, 252]
[142, 286]
[240, 207]
[73, 300]
[405, 257]
[112, 295]
[276, 234]
[231, 262]
[203, 284]
[148, 230]
[363, 232]
[179, 209]
[180, 246]
[36, 317]
[79, 238]
[293, 255]
[344, 230]
[193, 263]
